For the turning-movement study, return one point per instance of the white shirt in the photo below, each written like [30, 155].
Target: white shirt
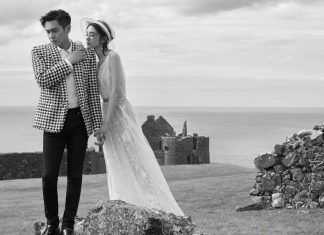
[73, 100]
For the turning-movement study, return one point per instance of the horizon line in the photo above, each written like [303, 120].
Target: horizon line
[187, 106]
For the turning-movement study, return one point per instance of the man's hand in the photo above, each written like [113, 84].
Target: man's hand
[100, 135]
[76, 56]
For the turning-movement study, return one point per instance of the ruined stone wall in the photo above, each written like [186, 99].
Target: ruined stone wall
[149, 129]
[164, 128]
[20, 165]
[168, 145]
[292, 175]
[29, 165]
[154, 129]
[202, 150]
[183, 150]
[178, 150]
[159, 155]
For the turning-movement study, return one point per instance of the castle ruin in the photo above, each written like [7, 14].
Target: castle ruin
[172, 149]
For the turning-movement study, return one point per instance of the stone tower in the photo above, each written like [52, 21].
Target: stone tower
[177, 150]
[201, 149]
[154, 129]
[184, 129]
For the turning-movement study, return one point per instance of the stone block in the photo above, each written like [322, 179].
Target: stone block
[277, 200]
[279, 168]
[302, 134]
[307, 141]
[266, 160]
[317, 187]
[301, 196]
[290, 159]
[297, 174]
[321, 200]
[289, 190]
[317, 137]
[270, 181]
[279, 149]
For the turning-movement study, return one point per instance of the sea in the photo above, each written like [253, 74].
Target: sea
[237, 135]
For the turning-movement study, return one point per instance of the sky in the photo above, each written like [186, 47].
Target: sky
[236, 53]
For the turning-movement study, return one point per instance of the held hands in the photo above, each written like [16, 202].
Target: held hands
[76, 56]
[100, 134]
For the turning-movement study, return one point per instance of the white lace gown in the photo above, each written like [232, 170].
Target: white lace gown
[133, 173]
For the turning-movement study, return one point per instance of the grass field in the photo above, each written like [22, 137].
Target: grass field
[208, 193]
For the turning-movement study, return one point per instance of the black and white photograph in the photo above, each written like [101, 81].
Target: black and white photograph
[161, 117]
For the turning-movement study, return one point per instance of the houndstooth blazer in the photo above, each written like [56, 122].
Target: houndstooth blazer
[50, 73]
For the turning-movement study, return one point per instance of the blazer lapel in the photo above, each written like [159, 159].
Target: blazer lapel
[56, 58]
[54, 53]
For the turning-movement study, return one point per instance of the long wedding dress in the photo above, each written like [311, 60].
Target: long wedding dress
[133, 173]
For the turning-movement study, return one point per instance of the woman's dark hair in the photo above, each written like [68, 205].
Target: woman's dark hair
[62, 17]
[103, 35]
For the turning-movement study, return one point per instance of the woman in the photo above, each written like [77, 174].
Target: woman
[133, 173]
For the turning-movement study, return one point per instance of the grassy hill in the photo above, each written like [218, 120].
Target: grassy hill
[208, 193]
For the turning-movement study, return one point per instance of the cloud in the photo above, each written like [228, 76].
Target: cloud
[21, 13]
[124, 13]
[193, 7]
[20, 18]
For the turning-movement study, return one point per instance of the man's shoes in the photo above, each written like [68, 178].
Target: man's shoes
[67, 231]
[52, 230]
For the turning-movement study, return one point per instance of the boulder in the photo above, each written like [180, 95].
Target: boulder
[297, 174]
[266, 160]
[279, 168]
[302, 134]
[270, 181]
[290, 159]
[317, 187]
[289, 191]
[317, 137]
[279, 149]
[321, 200]
[277, 200]
[118, 217]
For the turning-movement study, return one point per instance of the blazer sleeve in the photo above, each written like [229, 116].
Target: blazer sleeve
[48, 77]
[94, 98]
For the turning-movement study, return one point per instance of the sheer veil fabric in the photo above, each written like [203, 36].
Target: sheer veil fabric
[133, 173]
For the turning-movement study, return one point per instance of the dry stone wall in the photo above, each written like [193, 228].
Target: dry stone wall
[292, 175]
[29, 165]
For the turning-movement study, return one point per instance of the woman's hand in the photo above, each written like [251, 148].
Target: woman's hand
[100, 134]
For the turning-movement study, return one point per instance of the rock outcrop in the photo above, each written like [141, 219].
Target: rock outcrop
[118, 217]
[292, 175]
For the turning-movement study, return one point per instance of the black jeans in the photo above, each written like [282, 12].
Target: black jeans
[74, 137]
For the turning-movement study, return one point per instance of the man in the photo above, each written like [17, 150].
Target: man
[68, 112]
